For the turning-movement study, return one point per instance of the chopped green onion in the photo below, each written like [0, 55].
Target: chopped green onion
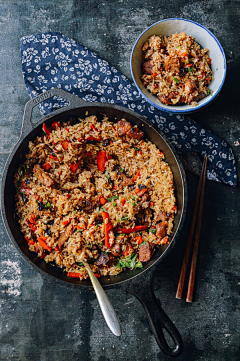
[97, 226]
[121, 170]
[138, 265]
[135, 204]
[176, 80]
[152, 231]
[179, 46]
[137, 149]
[209, 92]
[79, 230]
[108, 177]
[111, 198]
[133, 197]
[114, 204]
[190, 69]
[124, 218]
[128, 202]
[80, 264]
[143, 243]
[47, 205]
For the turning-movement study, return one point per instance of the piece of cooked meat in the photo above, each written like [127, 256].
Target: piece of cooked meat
[200, 96]
[65, 235]
[163, 99]
[123, 127]
[146, 252]
[161, 225]
[147, 67]
[172, 64]
[162, 216]
[190, 86]
[145, 198]
[102, 260]
[135, 133]
[116, 250]
[42, 176]
[126, 181]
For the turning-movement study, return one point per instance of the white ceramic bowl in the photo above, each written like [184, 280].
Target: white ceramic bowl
[203, 37]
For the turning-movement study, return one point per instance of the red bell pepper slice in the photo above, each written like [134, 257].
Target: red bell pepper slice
[43, 244]
[102, 200]
[136, 175]
[130, 230]
[107, 227]
[65, 144]
[55, 125]
[73, 167]
[101, 159]
[47, 166]
[46, 129]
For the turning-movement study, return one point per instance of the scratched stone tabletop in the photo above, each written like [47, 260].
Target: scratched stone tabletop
[41, 320]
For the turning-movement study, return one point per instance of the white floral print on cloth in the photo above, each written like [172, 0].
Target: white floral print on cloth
[52, 60]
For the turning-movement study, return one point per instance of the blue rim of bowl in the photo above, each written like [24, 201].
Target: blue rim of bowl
[199, 106]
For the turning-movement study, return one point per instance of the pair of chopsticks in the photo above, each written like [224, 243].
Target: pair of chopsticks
[195, 226]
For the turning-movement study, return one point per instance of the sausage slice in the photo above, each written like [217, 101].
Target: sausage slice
[147, 67]
[135, 133]
[42, 176]
[146, 252]
[65, 235]
[123, 127]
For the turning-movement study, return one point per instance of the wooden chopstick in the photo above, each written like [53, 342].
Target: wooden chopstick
[196, 217]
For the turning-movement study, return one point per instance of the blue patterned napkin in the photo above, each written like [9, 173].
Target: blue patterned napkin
[52, 60]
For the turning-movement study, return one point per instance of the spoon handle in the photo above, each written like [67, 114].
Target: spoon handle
[108, 311]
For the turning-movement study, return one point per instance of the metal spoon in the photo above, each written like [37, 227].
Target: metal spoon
[108, 311]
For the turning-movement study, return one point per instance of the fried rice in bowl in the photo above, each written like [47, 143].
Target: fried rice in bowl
[178, 65]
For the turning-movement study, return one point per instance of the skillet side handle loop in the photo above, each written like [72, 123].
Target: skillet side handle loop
[74, 101]
[159, 321]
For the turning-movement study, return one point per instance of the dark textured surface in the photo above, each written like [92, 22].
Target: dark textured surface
[43, 321]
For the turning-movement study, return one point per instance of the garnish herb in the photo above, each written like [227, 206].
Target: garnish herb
[176, 80]
[135, 204]
[111, 198]
[124, 218]
[121, 170]
[178, 46]
[80, 264]
[190, 69]
[137, 149]
[209, 92]
[130, 262]
[80, 230]
[114, 204]
[133, 197]
[47, 205]
[152, 231]
[108, 177]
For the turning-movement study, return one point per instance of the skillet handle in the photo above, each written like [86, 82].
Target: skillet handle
[74, 101]
[157, 318]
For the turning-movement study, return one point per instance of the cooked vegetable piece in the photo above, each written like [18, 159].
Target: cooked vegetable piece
[46, 129]
[101, 160]
[43, 244]
[130, 230]
[107, 227]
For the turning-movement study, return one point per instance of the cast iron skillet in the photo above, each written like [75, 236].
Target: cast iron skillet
[137, 282]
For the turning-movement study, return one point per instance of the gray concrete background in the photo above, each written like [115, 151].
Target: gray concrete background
[43, 321]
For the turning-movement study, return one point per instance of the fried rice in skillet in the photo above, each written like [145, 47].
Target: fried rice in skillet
[94, 191]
